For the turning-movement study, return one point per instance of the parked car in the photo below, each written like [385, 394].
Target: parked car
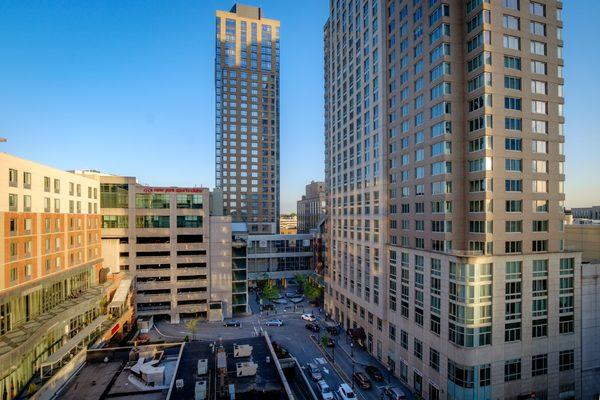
[394, 393]
[314, 372]
[362, 380]
[267, 307]
[325, 390]
[374, 373]
[330, 342]
[345, 392]
[232, 322]
[274, 322]
[290, 294]
[280, 301]
[297, 300]
[313, 327]
[333, 330]
[308, 317]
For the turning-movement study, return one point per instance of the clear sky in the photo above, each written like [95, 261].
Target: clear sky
[127, 87]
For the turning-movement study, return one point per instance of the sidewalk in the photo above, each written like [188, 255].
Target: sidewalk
[363, 358]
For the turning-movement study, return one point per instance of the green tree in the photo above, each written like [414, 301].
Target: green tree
[269, 291]
[324, 340]
[313, 291]
[192, 326]
[301, 279]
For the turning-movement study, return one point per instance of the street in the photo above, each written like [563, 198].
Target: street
[296, 339]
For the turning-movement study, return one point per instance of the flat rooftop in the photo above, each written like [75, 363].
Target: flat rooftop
[266, 384]
[111, 373]
[115, 373]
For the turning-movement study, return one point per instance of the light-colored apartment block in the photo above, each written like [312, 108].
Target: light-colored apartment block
[311, 208]
[52, 284]
[247, 116]
[178, 254]
[444, 136]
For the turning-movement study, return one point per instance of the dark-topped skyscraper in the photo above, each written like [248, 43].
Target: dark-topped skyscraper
[247, 116]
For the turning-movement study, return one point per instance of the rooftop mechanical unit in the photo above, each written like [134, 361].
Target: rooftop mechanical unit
[246, 369]
[242, 350]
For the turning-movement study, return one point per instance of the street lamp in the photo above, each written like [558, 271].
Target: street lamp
[352, 357]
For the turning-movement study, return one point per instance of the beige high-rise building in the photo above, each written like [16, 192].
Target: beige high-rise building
[178, 253]
[311, 207]
[247, 116]
[444, 135]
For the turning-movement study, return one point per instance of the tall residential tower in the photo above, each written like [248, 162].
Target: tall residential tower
[444, 168]
[247, 117]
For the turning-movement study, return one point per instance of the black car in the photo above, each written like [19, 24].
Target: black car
[232, 322]
[374, 373]
[333, 330]
[313, 327]
[330, 342]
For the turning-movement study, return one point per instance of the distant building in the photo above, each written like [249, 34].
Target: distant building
[288, 224]
[311, 208]
[586, 212]
[247, 116]
[175, 248]
[53, 287]
[271, 257]
[583, 235]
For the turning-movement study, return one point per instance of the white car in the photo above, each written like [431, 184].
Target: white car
[345, 392]
[309, 317]
[326, 393]
[274, 322]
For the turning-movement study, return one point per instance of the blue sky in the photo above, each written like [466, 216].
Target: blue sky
[126, 87]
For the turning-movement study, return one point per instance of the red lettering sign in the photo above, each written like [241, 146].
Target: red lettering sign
[148, 189]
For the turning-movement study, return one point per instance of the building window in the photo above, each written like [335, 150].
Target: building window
[27, 180]
[539, 328]
[13, 202]
[404, 339]
[566, 360]
[512, 370]
[434, 359]
[539, 365]
[13, 177]
[26, 203]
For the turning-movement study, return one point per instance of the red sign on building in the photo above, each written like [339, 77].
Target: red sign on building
[172, 190]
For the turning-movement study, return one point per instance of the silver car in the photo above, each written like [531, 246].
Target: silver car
[314, 371]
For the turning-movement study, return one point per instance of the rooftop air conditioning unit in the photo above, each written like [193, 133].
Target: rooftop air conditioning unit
[246, 369]
[242, 350]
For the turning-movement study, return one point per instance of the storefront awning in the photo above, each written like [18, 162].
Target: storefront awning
[120, 294]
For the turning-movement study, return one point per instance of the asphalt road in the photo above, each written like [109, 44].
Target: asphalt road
[296, 339]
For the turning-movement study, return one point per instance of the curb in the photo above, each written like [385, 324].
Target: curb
[337, 369]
